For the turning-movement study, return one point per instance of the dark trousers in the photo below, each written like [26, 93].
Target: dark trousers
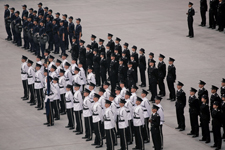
[62, 45]
[79, 126]
[98, 136]
[162, 90]
[114, 136]
[50, 41]
[31, 42]
[194, 123]
[25, 88]
[8, 31]
[203, 16]
[88, 127]
[123, 140]
[66, 40]
[212, 19]
[56, 109]
[97, 75]
[36, 48]
[113, 82]
[103, 76]
[180, 117]
[42, 49]
[56, 42]
[14, 35]
[146, 136]
[129, 134]
[171, 89]
[221, 22]
[62, 103]
[205, 130]
[31, 91]
[71, 37]
[109, 139]
[190, 27]
[70, 117]
[138, 138]
[102, 129]
[223, 123]
[161, 135]
[26, 41]
[18, 41]
[142, 74]
[40, 101]
[153, 89]
[217, 136]
[156, 138]
[49, 115]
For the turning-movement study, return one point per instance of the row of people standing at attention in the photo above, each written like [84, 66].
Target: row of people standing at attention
[110, 115]
[60, 32]
[203, 107]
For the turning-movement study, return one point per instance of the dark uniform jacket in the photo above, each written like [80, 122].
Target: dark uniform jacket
[125, 61]
[161, 69]
[122, 73]
[89, 57]
[71, 27]
[101, 49]
[103, 66]
[216, 118]
[191, 13]
[40, 11]
[142, 62]
[131, 76]
[213, 98]
[223, 111]
[204, 112]
[181, 99]
[117, 57]
[202, 92]
[155, 121]
[96, 61]
[113, 68]
[112, 45]
[222, 91]
[135, 56]
[48, 26]
[153, 74]
[171, 76]
[203, 5]
[24, 13]
[119, 48]
[193, 105]
[213, 5]
[127, 53]
[94, 45]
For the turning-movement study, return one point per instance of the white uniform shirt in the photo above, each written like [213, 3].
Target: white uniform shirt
[50, 65]
[87, 107]
[161, 113]
[117, 102]
[138, 119]
[107, 93]
[51, 94]
[109, 122]
[91, 95]
[58, 70]
[24, 69]
[69, 100]
[102, 102]
[133, 99]
[129, 108]
[73, 68]
[42, 67]
[62, 85]
[114, 110]
[76, 79]
[122, 118]
[68, 77]
[77, 101]
[146, 107]
[123, 92]
[54, 74]
[56, 90]
[97, 112]
[90, 78]
[63, 62]
[82, 76]
[30, 75]
[39, 80]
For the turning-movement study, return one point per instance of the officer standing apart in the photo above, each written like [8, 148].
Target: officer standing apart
[7, 24]
[31, 79]
[190, 14]
[78, 31]
[24, 69]
[203, 9]
[161, 75]
[171, 78]
[142, 67]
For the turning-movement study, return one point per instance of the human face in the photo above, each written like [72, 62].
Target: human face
[203, 100]
[91, 88]
[200, 86]
[215, 106]
[179, 87]
[143, 95]
[105, 86]
[157, 101]
[54, 81]
[127, 96]
[140, 52]
[107, 105]
[117, 92]
[192, 93]
[67, 89]
[63, 57]
[37, 68]
[170, 62]
[77, 22]
[138, 102]
[95, 99]
[100, 93]
[150, 56]
[89, 70]
[61, 74]
[133, 90]
[121, 104]
[28, 64]
[121, 85]
[222, 83]
[154, 110]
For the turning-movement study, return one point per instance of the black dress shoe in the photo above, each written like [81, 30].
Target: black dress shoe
[22, 97]
[32, 104]
[190, 133]
[25, 98]
[207, 141]
[49, 125]
[129, 143]
[71, 128]
[6, 39]
[187, 36]
[98, 146]
[94, 144]
[191, 36]
[213, 146]
[89, 139]
[146, 141]
[168, 98]
[200, 25]
[36, 107]
[75, 131]
[194, 136]
[209, 27]
[177, 128]
[39, 108]
[29, 102]
[45, 123]
[84, 137]
[67, 126]
[181, 129]
[202, 140]
[79, 133]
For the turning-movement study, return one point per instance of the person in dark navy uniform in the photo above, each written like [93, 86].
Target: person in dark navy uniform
[50, 15]
[74, 49]
[205, 119]
[212, 13]
[71, 29]
[223, 114]
[55, 32]
[101, 47]
[190, 14]
[155, 123]
[45, 13]
[49, 26]
[13, 17]
[180, 105]
[124, 58]
[94, 44]
[122, 71]
[78, 31]
[135, 54]
[82, 54]
[118, 46]
[89, 56]
[216, 126]
[25, 31]
[161, 75]
[40, 9]
[18, 35]
[150, 57]
[108, 59]
[96, 66]
[113, 72]
[42, 31]
[214, 97]
[7, 25]
[193, 112]
[142, 67]
[203, 10]
[111, 42]
[130, 76]
[57, 18]
[222, 88]
[153, 78]
[171, 78]
[65, 24]
[125, 46]
[134, 66]
[31, 14]
[25, 12]
[35, 17]
[62, 37]
[117, 55]
[103, 67]
[221, 15]
[30, 40]
[202, 91]
[36, 47]
[40, 19]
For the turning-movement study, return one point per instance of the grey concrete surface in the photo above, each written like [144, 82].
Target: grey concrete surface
[158, 26]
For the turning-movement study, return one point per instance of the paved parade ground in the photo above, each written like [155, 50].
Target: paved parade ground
[158, 26]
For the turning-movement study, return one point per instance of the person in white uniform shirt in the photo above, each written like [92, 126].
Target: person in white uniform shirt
[31, 79]
[147, 113]
[109, 125]
[102, 104]
[123, 89]
[38, 86]
[73, 66]
[90, 77]
[77, 108]
[129, 109]
[122, 124]
[76, 76]
[107, 91]
[56, 99]
[24, 69]
[52, 72]
[87, 114]
[62, 89]
[51, 62]
[64, 56]
[117, 102]
[67, 74]
[38, 60]
[97, 118]
[58, 65]
[69, 106]
[92, 89]
[82, 76]
[133, 96]
[138, 122]
[161, 114]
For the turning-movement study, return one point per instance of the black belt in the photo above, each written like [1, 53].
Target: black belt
[107, 120]
[68, 101]
[67, 79]
[133, 105]
[86, 108]
[145, 110]
[61, 87]
[117, 107]
[128, 111]
[136, 117]
[121, 120]
[30, 77]
[23, 73]
[37, 81]
[76, 102]
[95, 114]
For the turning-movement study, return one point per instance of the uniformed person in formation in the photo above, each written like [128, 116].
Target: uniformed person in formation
[161, 75]
[82, 54]
[111, 42]
[142, 67]
[151, 56]
[89, 56]
[190, 14]
[131, 77]
[214, 97]
[7, 22]
[216, 126]
[223, 114]
[62, 89]
[101, 47]
[18, 33]
[93, 44]
[205, 119]
[55, 89]
[103, 68]
[31, 79]
[71, 28]
[122, 71]
[38, 86]
[155, 123]
[134, 66]
[55, 31]
[13, 17]
[194, 112]
[90, 77]
[62, 37]
[118, 46]
[69, 106]
[202, 91]
[171, 78]
[113, 72]
[153, 78]
[203, 10]
[96, 66]
[222, 88]
[40, 9]
[24, 69]
[78, 31]
[180, 105]
[138, 122]
[220, 16]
